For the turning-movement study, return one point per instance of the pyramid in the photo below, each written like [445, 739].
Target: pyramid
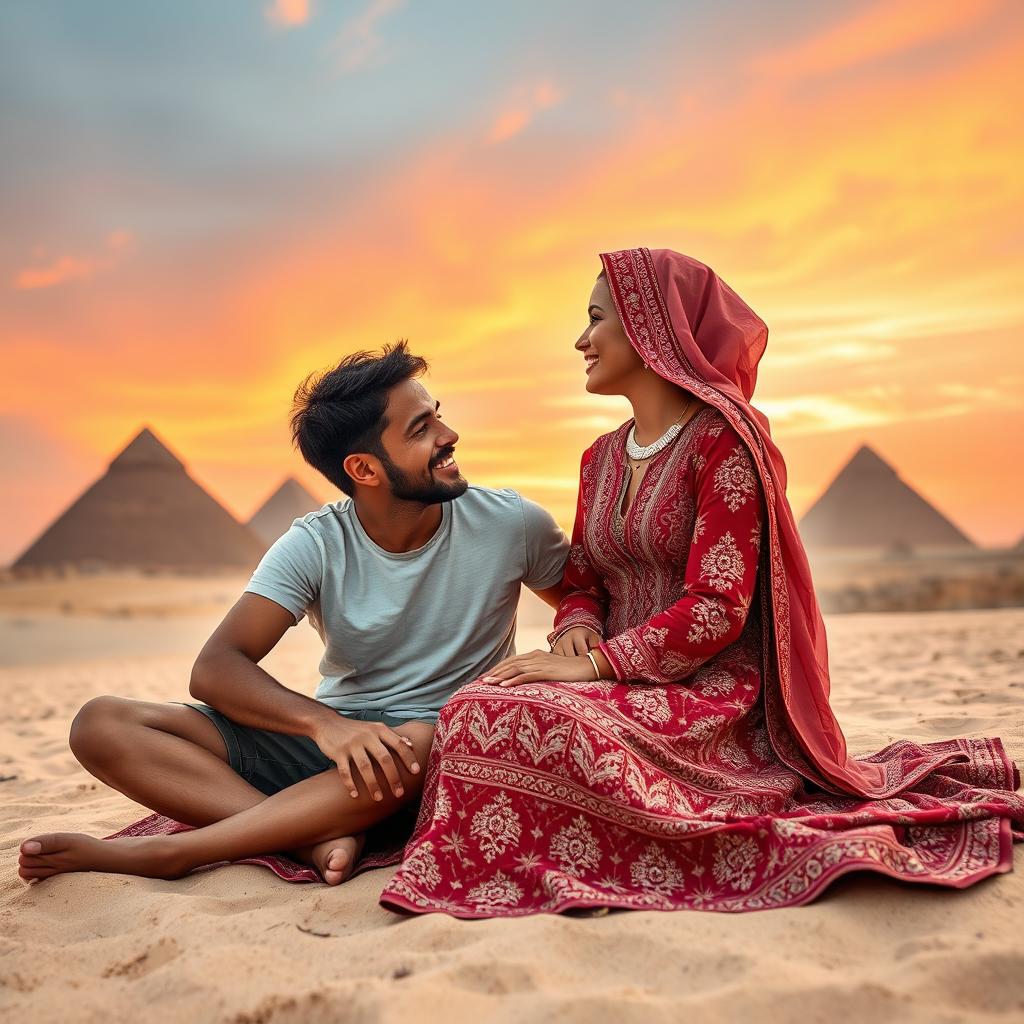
[867, 505]
[145, 512]
[289, 502]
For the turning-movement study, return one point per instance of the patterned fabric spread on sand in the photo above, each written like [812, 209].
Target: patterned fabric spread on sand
[662, 789]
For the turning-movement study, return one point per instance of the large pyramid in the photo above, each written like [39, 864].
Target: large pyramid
[145, 512]
[868, 506]
[289, 502]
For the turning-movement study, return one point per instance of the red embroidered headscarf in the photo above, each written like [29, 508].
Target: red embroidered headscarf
[695, 331]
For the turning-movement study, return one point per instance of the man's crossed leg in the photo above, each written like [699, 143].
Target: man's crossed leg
[174, 760]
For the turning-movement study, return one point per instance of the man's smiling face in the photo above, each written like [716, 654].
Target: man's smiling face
[419, 460]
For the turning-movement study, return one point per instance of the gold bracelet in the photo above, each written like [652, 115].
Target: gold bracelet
[593, 661]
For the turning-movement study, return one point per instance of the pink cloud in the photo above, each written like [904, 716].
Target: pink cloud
[288, 13]
[64, 268]
[512, 122]
[522, 110]
[61, 269]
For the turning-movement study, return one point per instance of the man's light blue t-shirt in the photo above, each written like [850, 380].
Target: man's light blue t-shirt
[402, 632]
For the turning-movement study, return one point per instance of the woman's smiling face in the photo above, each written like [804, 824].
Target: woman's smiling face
[611, 360]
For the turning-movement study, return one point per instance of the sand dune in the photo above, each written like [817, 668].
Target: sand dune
[236, 944]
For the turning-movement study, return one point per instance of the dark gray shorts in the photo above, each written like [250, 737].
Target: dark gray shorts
[272, 761]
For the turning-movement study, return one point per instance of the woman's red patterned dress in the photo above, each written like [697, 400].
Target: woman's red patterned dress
[663, 790]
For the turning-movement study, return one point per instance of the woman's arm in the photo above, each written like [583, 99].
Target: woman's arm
[721, 573]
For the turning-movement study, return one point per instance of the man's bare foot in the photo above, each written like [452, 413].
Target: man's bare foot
[53, 854]
[335, 858]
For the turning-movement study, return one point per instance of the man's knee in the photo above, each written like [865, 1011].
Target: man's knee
[97, 726]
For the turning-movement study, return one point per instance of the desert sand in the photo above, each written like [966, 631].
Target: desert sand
[238, 944]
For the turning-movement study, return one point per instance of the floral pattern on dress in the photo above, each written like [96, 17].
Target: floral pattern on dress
[578, 556]
[650, 704]
[496, 826]
[443, 805]
[735, 480]
[722, 565]
[714, 680]
[653, 871]
[576, 847]
[735, 861]
[539, 743]
[710, 620]
[421, 867]
[655, 637]
[705, 727]
[498, 891]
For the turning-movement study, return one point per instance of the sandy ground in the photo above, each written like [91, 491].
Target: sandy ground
[237, 944]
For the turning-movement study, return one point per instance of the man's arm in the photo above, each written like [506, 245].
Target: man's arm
[547, 549]
[552, 595]
[227, 675]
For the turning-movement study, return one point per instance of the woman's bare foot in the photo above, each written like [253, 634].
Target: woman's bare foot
[53, 854]
[335, 858]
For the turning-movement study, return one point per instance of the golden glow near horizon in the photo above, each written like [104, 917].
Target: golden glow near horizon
[856, 178]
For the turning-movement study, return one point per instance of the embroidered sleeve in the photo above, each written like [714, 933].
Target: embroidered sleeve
[586, 601]
[721, 572]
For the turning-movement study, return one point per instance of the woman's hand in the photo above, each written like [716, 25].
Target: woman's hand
[576, 641]
[528, 668]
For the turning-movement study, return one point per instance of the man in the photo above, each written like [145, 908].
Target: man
[412, 585]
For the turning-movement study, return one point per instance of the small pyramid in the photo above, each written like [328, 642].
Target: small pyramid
[145, 512]
[289, 502]
[867, 505]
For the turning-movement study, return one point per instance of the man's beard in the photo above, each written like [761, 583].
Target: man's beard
[405, 488]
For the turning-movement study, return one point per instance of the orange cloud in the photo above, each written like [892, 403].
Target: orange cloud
[523, 109]
[888, 27]
[510, 123]
[288, 13]
[70, 268]
[63, 268]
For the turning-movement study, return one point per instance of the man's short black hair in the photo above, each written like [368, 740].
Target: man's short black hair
[341, 411]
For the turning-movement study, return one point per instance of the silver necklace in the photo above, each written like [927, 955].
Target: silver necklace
[639, 453]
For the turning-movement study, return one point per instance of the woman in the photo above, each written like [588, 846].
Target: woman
[676, 748]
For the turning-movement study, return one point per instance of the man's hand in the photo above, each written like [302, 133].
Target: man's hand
[576, 641]
[348, 742]
[528, 668]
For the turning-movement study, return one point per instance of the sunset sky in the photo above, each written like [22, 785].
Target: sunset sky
[202, 202]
